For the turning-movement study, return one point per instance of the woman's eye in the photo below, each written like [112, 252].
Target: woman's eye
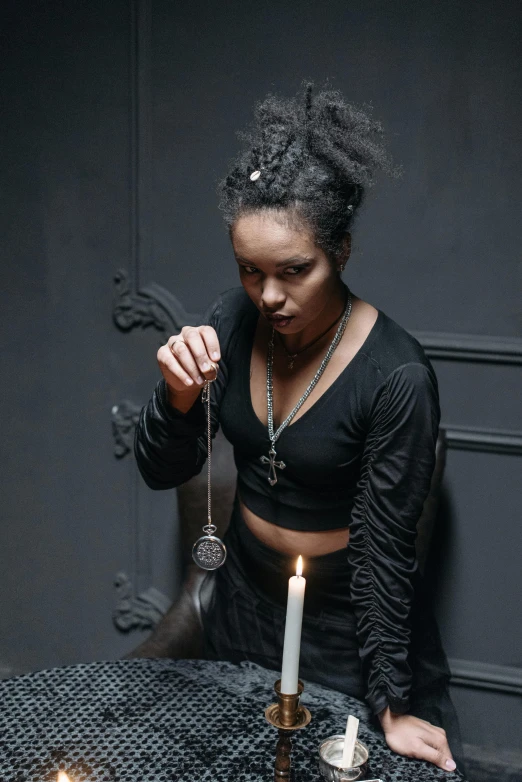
[290, 270]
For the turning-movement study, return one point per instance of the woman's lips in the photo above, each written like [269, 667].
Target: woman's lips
[280, 322]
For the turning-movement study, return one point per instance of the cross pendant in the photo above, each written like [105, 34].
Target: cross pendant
[272, 476]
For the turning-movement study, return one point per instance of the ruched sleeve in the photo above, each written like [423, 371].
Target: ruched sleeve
[171, 446]
[398, 462]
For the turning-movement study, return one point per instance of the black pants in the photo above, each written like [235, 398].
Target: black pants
[245, 620]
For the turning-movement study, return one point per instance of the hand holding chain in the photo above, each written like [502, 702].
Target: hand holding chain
[271, 458]
[209, 552]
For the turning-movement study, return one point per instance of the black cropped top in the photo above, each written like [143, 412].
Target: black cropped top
[361, 457]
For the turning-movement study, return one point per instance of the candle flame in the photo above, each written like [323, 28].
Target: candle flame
[299, 566]
[62, 777]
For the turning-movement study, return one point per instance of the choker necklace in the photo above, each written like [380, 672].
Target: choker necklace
[271, 458]
[292, 356]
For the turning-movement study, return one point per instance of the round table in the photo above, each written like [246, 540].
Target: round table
[162, 720]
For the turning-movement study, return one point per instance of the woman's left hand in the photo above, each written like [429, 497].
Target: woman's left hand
[416, 738]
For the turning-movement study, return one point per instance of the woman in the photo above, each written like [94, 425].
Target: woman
[332, 409]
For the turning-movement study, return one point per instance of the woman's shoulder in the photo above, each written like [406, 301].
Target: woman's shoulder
[391, 347]
[232, 305]
[393, 366]
[397, 374]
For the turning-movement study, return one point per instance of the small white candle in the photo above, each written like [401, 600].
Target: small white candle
[350, 737]
[294, 620]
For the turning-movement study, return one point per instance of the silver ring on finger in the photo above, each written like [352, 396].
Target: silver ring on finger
[171, 346]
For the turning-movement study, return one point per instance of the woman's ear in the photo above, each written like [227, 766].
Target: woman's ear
[345, 252]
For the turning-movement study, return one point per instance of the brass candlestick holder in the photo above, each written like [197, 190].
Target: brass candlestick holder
[286, 715]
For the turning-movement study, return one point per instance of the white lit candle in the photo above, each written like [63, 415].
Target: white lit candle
[350, 737]
[294, 620]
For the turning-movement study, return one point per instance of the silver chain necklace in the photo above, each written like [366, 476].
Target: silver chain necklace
[209, 552]
[274, 436]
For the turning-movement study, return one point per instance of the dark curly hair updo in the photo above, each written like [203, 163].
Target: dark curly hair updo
[316, 155]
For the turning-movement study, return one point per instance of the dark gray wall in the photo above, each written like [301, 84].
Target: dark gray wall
[120, 119]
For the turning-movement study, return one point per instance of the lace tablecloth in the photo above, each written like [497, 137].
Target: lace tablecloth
[171, 720]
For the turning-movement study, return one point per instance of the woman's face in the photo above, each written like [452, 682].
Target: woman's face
[283, 271]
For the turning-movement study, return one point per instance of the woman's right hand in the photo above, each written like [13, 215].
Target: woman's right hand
[416, 738]
[187, 360]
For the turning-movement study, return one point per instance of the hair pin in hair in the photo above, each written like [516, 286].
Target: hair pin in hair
[349, 208]
[255, 175]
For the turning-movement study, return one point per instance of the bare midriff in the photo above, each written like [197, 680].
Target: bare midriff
[294, 542]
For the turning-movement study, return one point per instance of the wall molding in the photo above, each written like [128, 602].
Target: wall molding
[124, 417]
[470, 438]
[486, 676]
[470, 347]
[135, 307]
[151, 305]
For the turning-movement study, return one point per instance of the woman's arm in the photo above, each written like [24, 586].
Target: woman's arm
[170, 442]
[398, 463]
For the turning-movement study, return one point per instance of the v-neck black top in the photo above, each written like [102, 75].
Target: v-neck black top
[321, 450]
[361, 457]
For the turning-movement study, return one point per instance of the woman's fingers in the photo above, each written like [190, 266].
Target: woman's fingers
[188, 358]
[438, 755]
[211, 341]
[193, 338]
[171, 369]
[439, 743]
[434, 747]
[182, 353]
